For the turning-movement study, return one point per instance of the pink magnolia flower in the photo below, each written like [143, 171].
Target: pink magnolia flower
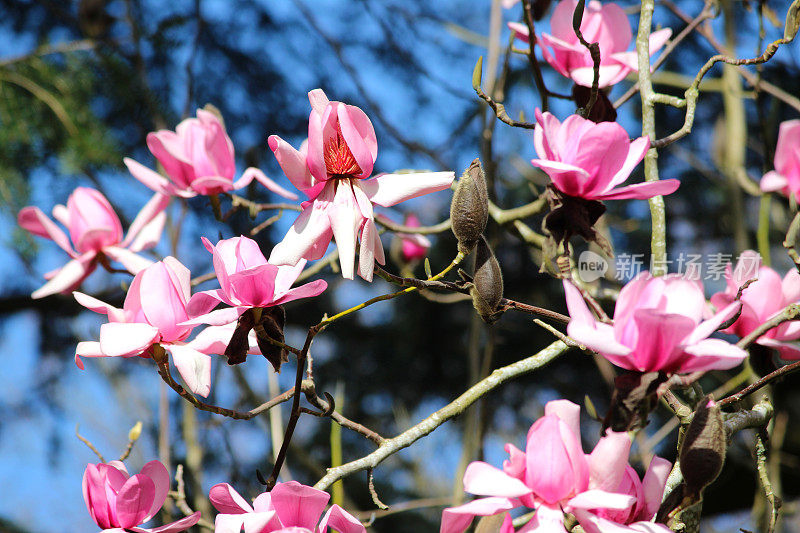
[590, 160]
[154, 312]
[648, 493]
[762, 300]
[331, 169]
[786, 176]
[198, 158]
[658, 326]
[606, 24]
[553, 476]
[289, 507]
[95, 232]
[119, 502]
[247, 280]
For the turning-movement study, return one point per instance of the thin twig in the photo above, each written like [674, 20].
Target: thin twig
[89, 444]
[453, 409]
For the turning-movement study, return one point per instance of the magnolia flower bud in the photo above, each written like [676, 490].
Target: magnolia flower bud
[469, 210]
[487, 290]
[703, 449]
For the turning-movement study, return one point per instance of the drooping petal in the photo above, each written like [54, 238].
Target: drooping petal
[179, 525]
[308, 238]
[87, 349]
[193, 366]
[145, 221]
[483, 479]
[308, 290]
[642, 191]
[345, 221]
[600, 499]
[457, 519]
[119, 339]
[390, 189]
[93, 304]
[773, 181]
[68, 277]
[293, 163]
[133, 262]
[252, 172]
[36, 222]
[710, 354]
[153, 179]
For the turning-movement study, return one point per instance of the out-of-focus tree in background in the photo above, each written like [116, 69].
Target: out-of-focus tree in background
[81, 85]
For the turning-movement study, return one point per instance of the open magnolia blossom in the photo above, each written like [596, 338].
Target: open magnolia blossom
[96, 232]
[658, 327]
[119, 502]
[247, 280]
[290, 507]
[589, 160]
[604, 24]
[554, 476]
[332, 168]
[786, 176]
[154, 312]
[198, 157]
[762, 300]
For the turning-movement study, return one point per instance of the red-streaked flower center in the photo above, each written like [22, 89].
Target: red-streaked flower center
[339, 160]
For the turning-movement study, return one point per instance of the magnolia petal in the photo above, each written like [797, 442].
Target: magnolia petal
[156, 471]
[87, 349]
[292, 162]
[390, 189]
[151, 178]
[179, 525]
[68, 277]
[193, 366]
[228, 523]
[219, 317]
[773, 181]
[653, 483]
[711, 354]
[608, 460]
[307, 290]
[93, 304]
[601, 499]
[308, 237]
[252, 172]
[227, 500]
[642, 191]
[340, 520]
[119, 339]
[546, 520]
[145, 230]
[568, 412]
[636, 153]
[457, 519]
[36, 222]
[133, 262]
[298, 505]
[134, 500]
[485, 480]
[707, 327]
[345, 223]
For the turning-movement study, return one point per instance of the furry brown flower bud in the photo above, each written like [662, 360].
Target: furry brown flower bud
[703, 449]
[469, 210]
[487, 290]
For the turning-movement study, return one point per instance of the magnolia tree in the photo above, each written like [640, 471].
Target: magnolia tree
[653, 337]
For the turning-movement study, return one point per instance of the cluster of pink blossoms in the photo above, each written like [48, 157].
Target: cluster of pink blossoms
[554, 476]
[119, 502]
